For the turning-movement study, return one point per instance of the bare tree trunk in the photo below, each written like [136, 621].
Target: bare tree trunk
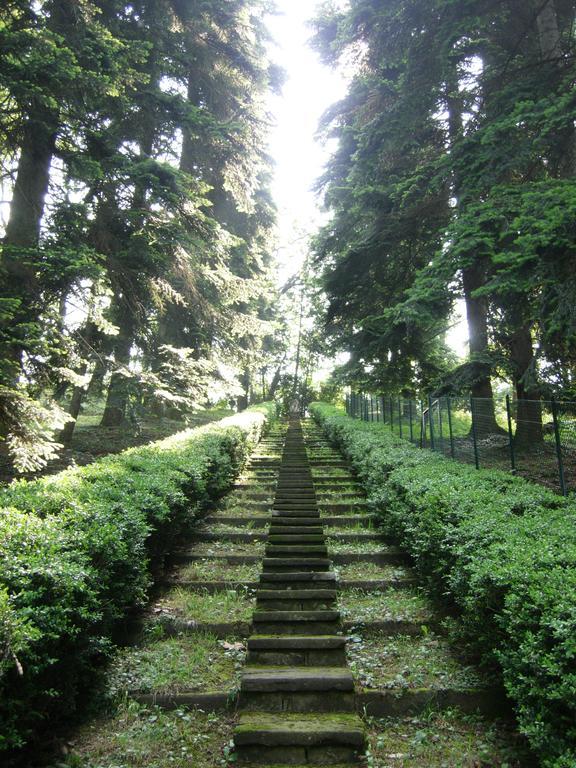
[473, 278]
[529, 429]
[548, 30]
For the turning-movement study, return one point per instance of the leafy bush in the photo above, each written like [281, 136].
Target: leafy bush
[78, 551]
[500, 550]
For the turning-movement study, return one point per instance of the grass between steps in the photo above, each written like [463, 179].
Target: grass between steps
[406, 604]
[175, 664]
[220, 607]
[400, 662]
[446, 739]
[141, 737]
[371, 572]
[214, 570]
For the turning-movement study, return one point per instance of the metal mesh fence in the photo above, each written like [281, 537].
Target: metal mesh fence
[532, 438]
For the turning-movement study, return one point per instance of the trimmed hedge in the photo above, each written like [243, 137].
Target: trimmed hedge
[499, 549]
[77, 554]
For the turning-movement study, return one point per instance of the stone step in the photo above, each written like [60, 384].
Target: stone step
[283, 564]
[296, 550]
[281, 521]
[297, 679]
[285, 514]
[295, 599]
[296, 538]
[321, 740]
[305, 577]
[316, 622]
[295, 530]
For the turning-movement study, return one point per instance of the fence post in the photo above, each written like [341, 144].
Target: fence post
[391, 415]
[558, 448]
[347, 404]
[422, 424]
[440, 430]
[400, 415]
[476, 460]
[510, 435]
[430, 419]
[371, 408]
[410, 416]
[449, 408]
[377, 409]
[365, 407]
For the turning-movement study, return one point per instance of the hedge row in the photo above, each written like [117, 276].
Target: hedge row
[501, 550]
[77, 555]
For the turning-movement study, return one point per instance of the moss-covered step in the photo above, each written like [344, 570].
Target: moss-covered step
[287, 528]
[291, 564]
[297, 689]
[313, 622]
[386, 556]
[295, 599]
[321, 740]
[297, 650]
[296, 550]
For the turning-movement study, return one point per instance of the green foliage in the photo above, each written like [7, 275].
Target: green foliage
[501, 551]
[78, 551]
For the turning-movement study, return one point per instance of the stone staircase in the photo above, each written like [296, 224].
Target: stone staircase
[297, 703]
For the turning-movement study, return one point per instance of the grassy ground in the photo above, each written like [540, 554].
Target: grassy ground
[402, 604]
[380, 661]
[443, 740]
[370, 571]
[91, 441]
[142, 737]
[213, 570]
[221, 607]
[174, 664]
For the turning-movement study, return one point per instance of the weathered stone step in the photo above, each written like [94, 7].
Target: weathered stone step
[296, 594]
[295, 530]
[296, 679]
[309, 577]
[281, 564]
[265, 738]
[290, 520]
[296, 538]
[291, 513]
[296, 642]
[318, 622]
[296, 550]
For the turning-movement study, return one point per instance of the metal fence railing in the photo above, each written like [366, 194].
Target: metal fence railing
[532, 438]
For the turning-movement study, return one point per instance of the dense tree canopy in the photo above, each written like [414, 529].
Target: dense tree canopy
[453, 179]
[136, 251]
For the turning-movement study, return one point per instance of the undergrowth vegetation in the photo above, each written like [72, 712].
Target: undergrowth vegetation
[501, 551]
[78, 552]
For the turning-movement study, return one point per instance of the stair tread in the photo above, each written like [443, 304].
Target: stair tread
[270, 678]
[296, 641]
[289, 729]
[319, 615]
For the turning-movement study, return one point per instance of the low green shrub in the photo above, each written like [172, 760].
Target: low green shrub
[78, 551]
[501, 550]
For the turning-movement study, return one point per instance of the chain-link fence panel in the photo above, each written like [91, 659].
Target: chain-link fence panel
[535, 439]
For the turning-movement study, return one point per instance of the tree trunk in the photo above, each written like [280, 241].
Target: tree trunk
[548, 30]
[473, 278]
[23, 232]
[529, 430]
[78, 394]
[117, 398]
[477, 319]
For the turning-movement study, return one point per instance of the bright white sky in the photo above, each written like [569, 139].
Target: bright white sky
[309, 90]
